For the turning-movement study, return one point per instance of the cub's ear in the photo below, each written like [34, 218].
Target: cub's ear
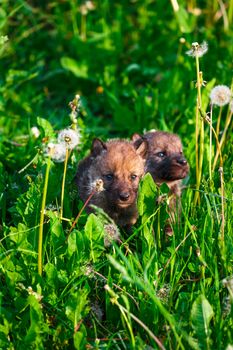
[140, 144]
[136, 137]
[97, 147]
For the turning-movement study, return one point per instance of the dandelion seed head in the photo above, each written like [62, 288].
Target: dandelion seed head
[198, 50]
[164, 292]
[56, 151]
[228, 282]
[226, 306]
[220, 95]
[111, 234]
[69, 137]
[97, 310]
[97, 186]
[88, 271]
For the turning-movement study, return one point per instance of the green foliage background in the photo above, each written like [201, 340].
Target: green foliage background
[127, 60]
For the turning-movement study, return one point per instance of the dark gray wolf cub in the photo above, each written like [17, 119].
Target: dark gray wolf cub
[166, 162]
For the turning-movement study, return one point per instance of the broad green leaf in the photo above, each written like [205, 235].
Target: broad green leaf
[46, 126]
[183, 20]
[79, 69]
[94, 230]
[147, 196]
[51, 275]
[80, 338]
[201, 315]
[29, 203]
[38, 328]
[76, 306]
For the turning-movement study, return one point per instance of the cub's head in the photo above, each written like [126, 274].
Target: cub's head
[165, 159]
[120, 164]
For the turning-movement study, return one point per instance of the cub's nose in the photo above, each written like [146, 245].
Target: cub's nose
[124, 196]
[181, 161]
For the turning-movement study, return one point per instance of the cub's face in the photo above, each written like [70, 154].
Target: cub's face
[120, 164]
[165, 160]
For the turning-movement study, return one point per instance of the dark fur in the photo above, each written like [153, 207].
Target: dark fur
[120, 164]
[169, 168]
[166, 163]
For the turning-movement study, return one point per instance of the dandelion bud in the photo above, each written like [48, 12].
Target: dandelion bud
[111, 234]
[220, 95]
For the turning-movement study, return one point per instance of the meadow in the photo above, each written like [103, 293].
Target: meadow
[109, 69]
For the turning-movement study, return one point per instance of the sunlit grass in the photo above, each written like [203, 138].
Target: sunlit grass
[61, 287]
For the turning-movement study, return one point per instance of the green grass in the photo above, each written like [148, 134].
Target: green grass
[128, 62]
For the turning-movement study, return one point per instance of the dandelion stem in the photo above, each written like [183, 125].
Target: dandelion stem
[80, 212]
[41, 225]
[218, 121]
[63, 183]
[199, 130]
[206, 119]
[228, 121]
[210, 149]
[83, 27]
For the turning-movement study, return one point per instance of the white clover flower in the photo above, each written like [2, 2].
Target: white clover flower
[220, 95]
[198, 50]
[56, 151]
[69, 137]
[111, 234]
[35, 131]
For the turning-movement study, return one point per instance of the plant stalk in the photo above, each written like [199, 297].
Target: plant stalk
[42, 212]
[199, 130]
[63, 183]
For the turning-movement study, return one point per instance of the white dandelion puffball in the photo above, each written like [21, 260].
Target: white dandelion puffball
[220, 95]
[69, 137]
[198, 50]
[56, 151]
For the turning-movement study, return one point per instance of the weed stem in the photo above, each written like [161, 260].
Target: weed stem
[79, 214]
[63, 183]
[114, 300]
[42, 212]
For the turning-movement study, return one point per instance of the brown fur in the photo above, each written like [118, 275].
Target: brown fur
[120, 164]
[166, 163]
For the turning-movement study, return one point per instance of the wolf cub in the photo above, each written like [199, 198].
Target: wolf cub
[119, 164]
[166, 164]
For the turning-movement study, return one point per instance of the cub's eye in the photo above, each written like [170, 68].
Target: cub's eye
[133, 177]
[108, 177]
[161, 154]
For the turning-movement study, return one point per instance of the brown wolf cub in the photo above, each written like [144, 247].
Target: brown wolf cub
[119, 164]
